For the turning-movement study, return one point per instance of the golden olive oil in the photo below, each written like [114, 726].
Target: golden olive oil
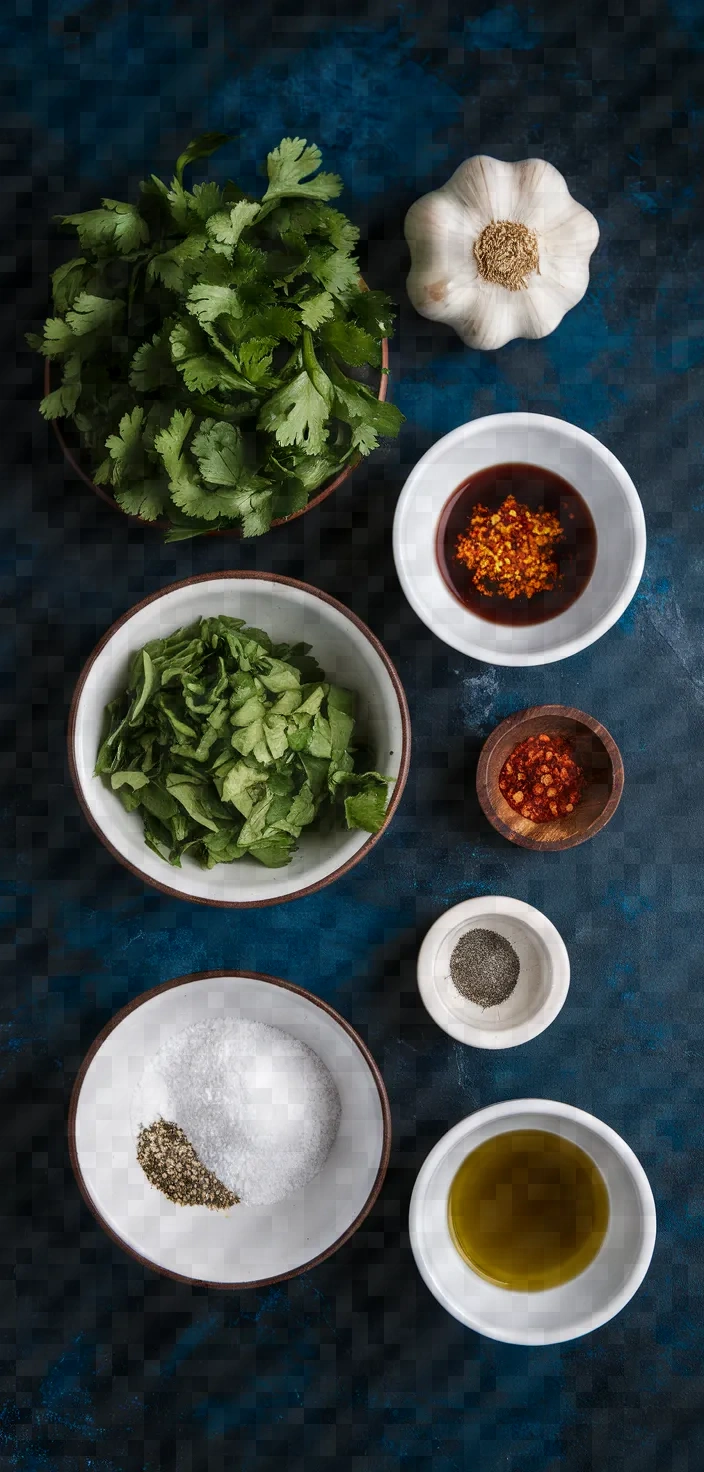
[528, 1210]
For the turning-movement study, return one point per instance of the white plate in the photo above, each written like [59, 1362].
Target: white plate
[558, 1314]
[289, 611]
[540, 991]
[245, 1245]
[553, 444]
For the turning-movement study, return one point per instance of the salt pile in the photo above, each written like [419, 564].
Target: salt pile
[259, 1107]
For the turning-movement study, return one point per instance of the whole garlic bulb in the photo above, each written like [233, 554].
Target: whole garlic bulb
[500, 251]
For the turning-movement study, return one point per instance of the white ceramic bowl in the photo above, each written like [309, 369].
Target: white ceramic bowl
[553, 444]
[288, 611]
[247, 1245]
[540, 991]
[557, 1314]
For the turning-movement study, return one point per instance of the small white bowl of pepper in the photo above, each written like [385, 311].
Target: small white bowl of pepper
[493, 972]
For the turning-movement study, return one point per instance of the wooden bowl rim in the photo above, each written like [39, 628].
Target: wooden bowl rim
[514, 723]
[290, 986]
[399, 782]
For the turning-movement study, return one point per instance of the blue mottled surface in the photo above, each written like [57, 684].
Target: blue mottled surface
[107, 1367]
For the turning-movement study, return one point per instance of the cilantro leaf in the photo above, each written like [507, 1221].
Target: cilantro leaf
[207, 198]
[169, 445]
[63, 400]
[225, 228]
[201, 369]
[273, 322]
[147, 499]
[207, 303]
[336, 271]
[317, 309]
[117, 225]
[374, 311]
[367, 416]
[151, 366]
[126, 447]
[289, 165]
[219, 452]
[351, 343]
[58, 338]
[297, 415]
[201, 147]
[255, 356]
[67, 281]
[175, 267]
[93, 314]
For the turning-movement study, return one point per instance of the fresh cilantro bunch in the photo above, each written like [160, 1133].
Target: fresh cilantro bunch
[231, 745]
[204, 340]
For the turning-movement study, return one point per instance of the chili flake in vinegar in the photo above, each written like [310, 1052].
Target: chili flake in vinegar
[516, 544]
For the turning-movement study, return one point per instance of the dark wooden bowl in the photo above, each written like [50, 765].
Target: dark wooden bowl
[71, 456]
[595, 751]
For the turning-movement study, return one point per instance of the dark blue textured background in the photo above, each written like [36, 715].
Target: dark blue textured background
[105, 1366]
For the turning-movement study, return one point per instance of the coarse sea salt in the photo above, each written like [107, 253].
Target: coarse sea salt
[259, 1107]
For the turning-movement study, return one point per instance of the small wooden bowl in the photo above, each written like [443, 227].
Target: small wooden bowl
[596, 753]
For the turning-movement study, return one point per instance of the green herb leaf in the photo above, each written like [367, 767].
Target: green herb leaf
[63, 400]
[317, 309]
[219, 452]
[67, 281]
[177, 266]
[293, 162]
[336, 271]
[351, 343]
[201, 147]
[366, 809]
[147, 499]
[58, 338]
[126, 447]
[297, 415]
[225, 228]
[118, 225]
[93, 314]
[207, 303]
[201, 369]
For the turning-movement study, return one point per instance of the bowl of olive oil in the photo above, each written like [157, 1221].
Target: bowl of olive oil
[532, 1222]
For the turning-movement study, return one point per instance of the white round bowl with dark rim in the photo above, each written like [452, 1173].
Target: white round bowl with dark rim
[245, 1246]
[566, 451]
[584, 1302]
[289, 611]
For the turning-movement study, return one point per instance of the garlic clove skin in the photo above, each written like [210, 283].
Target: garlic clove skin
[445, 283]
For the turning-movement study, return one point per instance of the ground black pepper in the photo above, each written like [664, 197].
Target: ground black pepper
[169, 1161]
[484, 967]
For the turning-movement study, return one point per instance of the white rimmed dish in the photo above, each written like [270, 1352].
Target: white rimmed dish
[557, 1314]
[244, 1246]
[564, 449]
[288, 611]
[543, 980]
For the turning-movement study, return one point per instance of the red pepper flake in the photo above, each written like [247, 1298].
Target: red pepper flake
[541, 779]
[509, 552]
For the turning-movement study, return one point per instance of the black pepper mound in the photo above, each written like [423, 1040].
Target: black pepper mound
[484, 967]
[170, 1163]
